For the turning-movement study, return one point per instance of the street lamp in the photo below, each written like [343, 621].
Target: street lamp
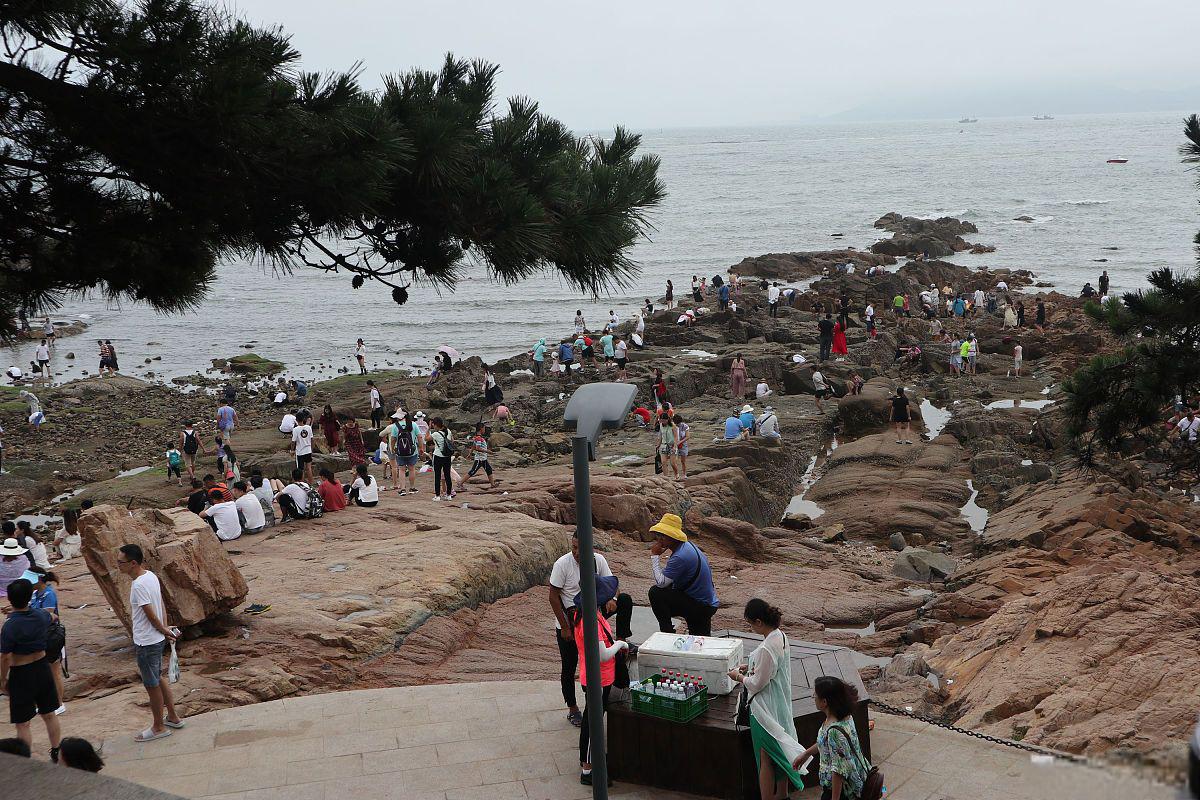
[591, 408]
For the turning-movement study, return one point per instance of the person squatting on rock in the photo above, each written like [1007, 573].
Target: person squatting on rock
[684, 587]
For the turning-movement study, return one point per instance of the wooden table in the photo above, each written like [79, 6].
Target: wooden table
[709, 756]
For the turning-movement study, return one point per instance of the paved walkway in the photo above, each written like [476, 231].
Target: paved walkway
[505, 740]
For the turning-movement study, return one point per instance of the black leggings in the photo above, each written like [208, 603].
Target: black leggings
[376, 417]
[585, 744]
[441, 466]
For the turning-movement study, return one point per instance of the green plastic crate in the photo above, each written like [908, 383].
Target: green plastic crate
[669, 708]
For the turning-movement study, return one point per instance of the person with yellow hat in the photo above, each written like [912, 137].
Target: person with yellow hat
[684, 587]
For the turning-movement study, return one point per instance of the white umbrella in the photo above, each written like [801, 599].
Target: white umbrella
[450, 351]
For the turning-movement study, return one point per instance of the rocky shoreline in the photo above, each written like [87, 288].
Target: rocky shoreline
[1063, 620]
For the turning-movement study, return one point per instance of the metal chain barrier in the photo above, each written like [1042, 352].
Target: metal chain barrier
[902, 712]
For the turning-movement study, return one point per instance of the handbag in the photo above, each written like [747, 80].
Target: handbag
[873, 784]
[741, 717]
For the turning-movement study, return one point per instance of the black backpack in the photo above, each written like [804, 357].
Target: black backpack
[190, 444]
[404, 442]
[316, 506]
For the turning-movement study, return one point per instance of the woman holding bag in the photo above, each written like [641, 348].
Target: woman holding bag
[768, 681]
[845, 772]
[606, 590]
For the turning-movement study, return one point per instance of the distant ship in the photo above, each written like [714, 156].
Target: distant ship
[1044, 116]
[968, 119]
[1118, 160]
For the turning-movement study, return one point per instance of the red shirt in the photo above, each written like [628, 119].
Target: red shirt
[644, 413]
[332, 495]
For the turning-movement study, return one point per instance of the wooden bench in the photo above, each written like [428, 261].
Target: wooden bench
[709, 756]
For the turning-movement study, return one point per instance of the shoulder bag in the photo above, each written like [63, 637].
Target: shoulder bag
[873, 781]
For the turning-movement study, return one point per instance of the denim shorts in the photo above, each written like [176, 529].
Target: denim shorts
[149, 661]
[406, 461]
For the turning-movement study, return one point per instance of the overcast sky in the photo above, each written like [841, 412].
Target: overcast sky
[665, 63]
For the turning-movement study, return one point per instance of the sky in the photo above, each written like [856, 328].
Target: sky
[666, 63]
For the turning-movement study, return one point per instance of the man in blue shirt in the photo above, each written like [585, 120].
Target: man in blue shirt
[733, 427]
[683, 588]
[566, 356]
[723, 296]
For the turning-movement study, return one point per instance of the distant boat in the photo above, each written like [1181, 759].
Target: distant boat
[968, 119]
[1118, 161]
[1044, 116]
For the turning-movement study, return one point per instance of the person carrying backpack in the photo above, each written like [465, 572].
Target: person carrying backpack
[404, 447]
[299, 500]
[443, 450]
[190, 444]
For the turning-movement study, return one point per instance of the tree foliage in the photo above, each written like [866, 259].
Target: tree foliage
[1120, 393]
[142, 143]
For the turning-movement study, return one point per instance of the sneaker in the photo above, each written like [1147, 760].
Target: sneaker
[402, 492]
[437, 498]
[61, 709]
[575, 718]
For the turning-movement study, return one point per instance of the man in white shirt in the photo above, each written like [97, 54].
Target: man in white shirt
[820, 386]
[1188, 428]
[288, 424]
[773, 299]
[255, 519]
[1002, 286]
[762, 390]
[148, 615]
[564, 585]
[43, 360]
[979, 298]
[280, 397]
[223, 517]
[376, 406]
[768, 424]
[293, 500]
[302, 437]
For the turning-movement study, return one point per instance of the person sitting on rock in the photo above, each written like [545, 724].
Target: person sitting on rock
[293, 499]
[768, 424]
[222, 516]
[684, 586]
[762, 390]
[254, 519]
[331, 491]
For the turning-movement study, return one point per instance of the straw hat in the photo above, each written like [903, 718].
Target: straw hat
[11, 548]
[670, 526]
[747, 409]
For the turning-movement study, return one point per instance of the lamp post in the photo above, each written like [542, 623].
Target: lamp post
[591, 408]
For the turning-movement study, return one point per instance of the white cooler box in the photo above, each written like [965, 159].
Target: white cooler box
[711, 662]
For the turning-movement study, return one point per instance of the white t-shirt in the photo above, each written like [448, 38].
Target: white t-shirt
[252, 510]
[870, 312]
[772, 294]
[43, 352]
[299, 494]
[1017, 353]
[641, 325]
[621, 349]
[973, 348]
[14, 372]
[361, 351]
[226, 516]
[768, 424]
[146, 591]
[288, 424]
[264, 495]
[565, 577]
[367, 494]
[819, 381]
[1188, 429]
[762, 390]
[280, 398]
[1002, 286]
[302, 438]
[376, 400]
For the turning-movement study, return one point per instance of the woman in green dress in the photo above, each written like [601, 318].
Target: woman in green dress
[768, 679]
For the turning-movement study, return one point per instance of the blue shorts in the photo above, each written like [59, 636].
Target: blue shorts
[149, 661]
[406, 461]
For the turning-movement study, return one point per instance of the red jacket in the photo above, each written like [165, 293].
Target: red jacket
[608, 669]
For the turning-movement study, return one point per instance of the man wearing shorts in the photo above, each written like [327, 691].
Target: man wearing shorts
[148, 614]
[820, 387]
[622, 356]
[302, 438]
[43, 360]
[900, 416]
[25, 674]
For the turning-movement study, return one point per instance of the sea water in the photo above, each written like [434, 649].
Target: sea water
[731, 193]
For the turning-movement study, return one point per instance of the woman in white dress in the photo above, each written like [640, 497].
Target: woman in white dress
[768, 679]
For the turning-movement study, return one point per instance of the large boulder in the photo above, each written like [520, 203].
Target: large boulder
[871, 409]
[199, 580]
[917, 564]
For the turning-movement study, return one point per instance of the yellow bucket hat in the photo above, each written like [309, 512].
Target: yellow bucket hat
[671, 526]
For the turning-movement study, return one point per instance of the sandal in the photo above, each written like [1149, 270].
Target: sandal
[575, 718]
[149, 735]
[182, 722]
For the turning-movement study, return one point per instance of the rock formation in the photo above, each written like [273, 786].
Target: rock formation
[199, 580]
[933, 238]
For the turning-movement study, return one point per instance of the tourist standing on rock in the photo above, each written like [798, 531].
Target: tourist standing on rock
[45, 597]
[331, 427]
[360, 354]
[606, 342]
[773, 299]
[356, 449]
[899, 415]
[696, 298]
[869, 316]
[1020, 314]
[767, 681]
[723, 297]
[226, 421]
[580, 324]
[376, 401]
[1018, 356]
[621, 357]
[844, 311]
[24, 672]
[190, 444]
[825, 329]
[839, 342]
[103, 367]
[566, 359]
[956, 356]
[478, 447]
[302, 439]
[43, 360]
[492, 394]
[150, 636]
[1041, 315]
[684, 438]
[737, 377]
[964, 352]
[404, 451]
[611, 648]
[1103, 283]
[820, 387]
[668, 445]
[979, 301]
[1010, 317]
[174, 463]
[973, 354]
[539, 357]
[684, 587]
[670, 296]
[441, 441]
[564, 587]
